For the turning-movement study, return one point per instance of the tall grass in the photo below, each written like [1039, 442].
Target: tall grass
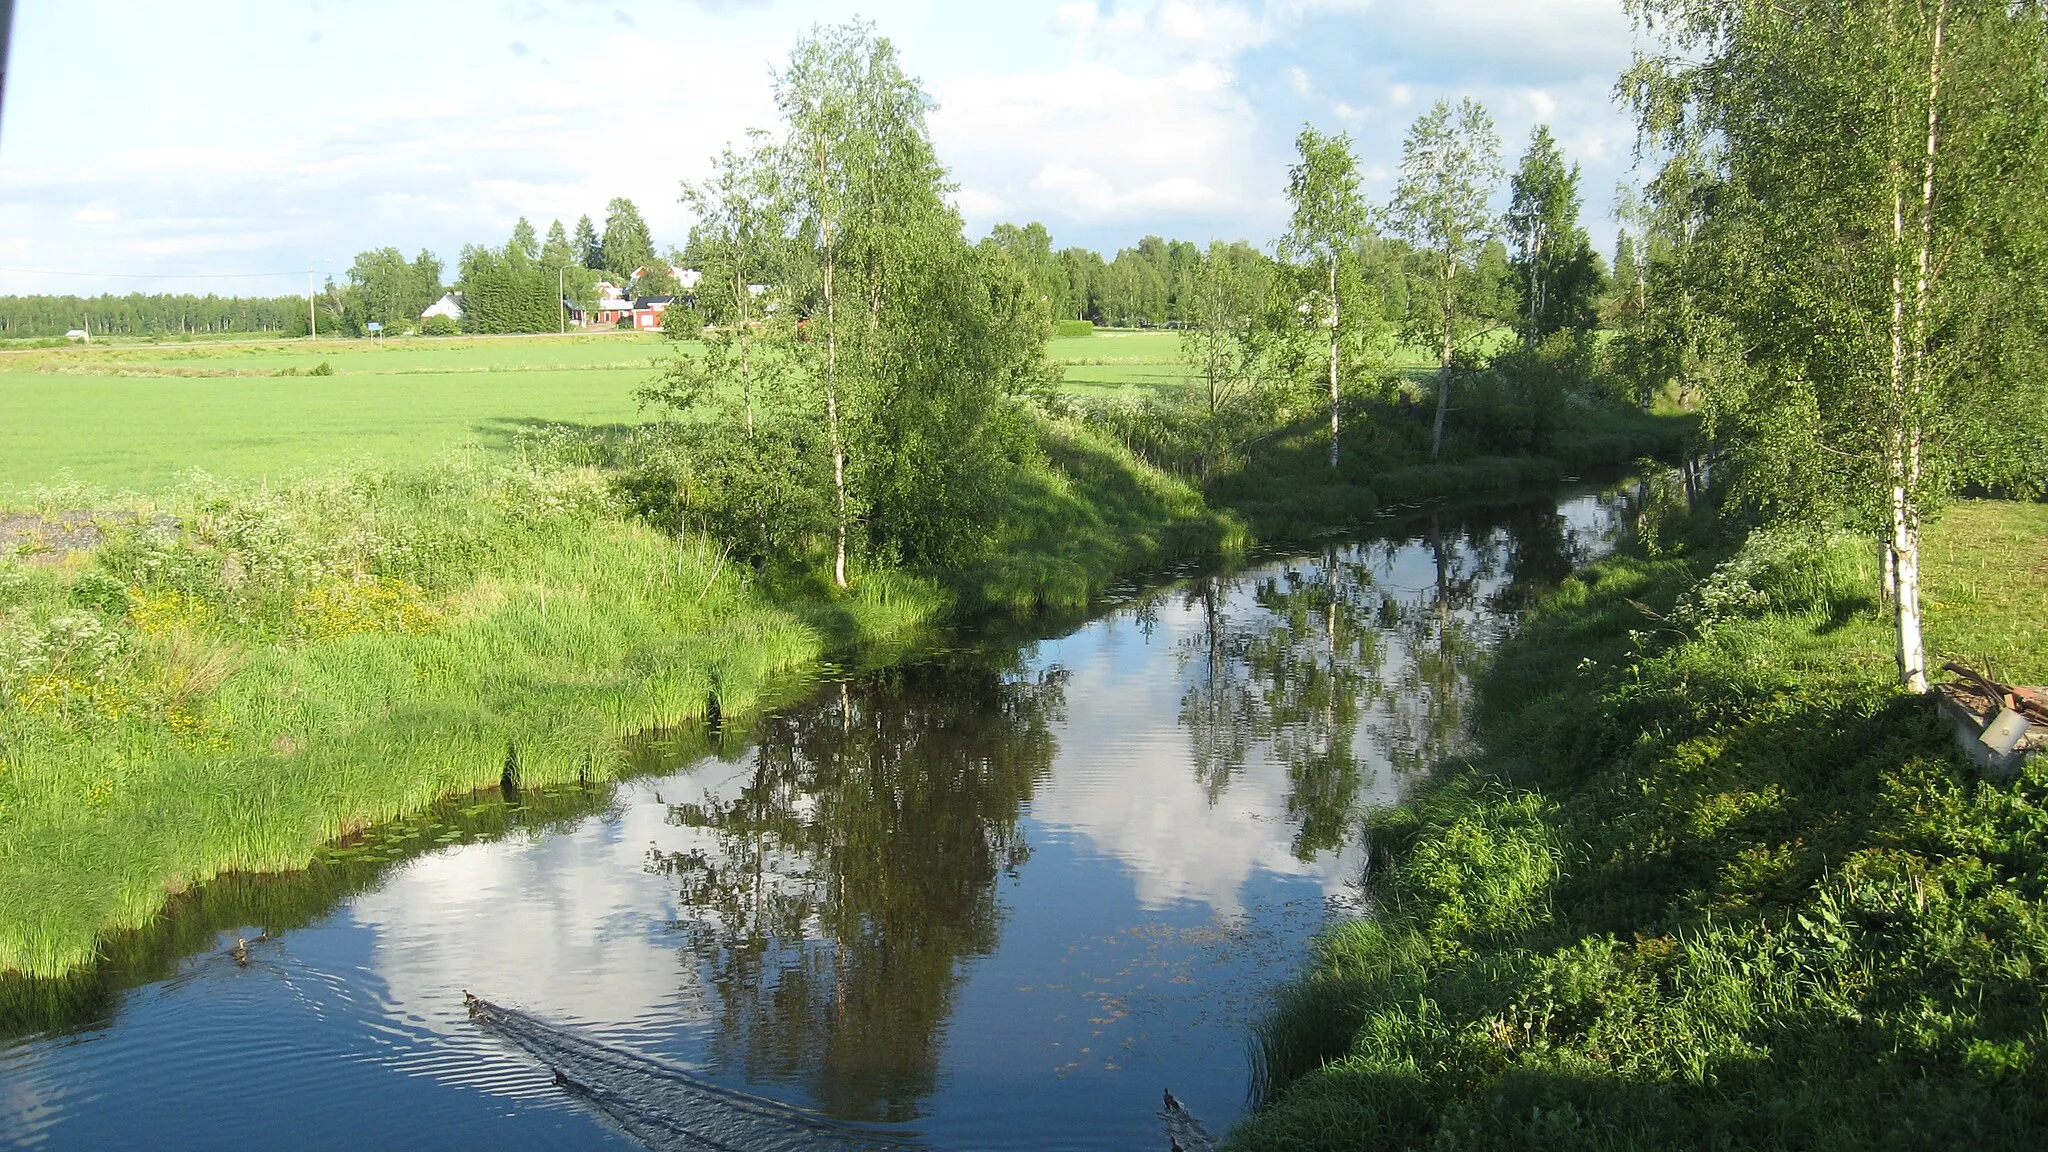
[246, 671]
[293, 664]
[1714, 883]
[1091, 511]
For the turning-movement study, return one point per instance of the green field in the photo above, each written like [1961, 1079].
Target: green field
[137, 416]
[1115, 359]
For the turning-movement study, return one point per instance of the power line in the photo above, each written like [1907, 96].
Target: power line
[156, 275]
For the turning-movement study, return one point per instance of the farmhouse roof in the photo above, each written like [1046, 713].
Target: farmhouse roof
[449, 305]
[640, 302]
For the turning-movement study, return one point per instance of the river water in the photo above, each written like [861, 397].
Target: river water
[998, 898]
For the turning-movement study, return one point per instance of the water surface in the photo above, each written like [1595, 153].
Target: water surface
[996, 899]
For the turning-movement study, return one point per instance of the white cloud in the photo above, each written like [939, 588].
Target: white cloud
[975, 202]
[1106, 119]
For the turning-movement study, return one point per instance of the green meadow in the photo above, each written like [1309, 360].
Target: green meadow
[1116, 359]
[362, 600]
[136, 416]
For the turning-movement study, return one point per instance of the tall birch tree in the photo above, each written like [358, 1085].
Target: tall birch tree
[924, 341]
[1330, 218]
[1877, 250]
[1556, 274]
[1450, 167]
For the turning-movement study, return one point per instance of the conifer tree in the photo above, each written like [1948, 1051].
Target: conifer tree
[589, 249]
[628, 246]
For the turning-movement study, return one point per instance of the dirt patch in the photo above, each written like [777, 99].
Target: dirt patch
[55, 538]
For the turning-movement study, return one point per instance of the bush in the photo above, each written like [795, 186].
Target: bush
[439, 326]
[1066, 329]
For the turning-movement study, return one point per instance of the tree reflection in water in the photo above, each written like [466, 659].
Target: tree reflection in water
[839, 882]
[1343, 664]
[855, 869]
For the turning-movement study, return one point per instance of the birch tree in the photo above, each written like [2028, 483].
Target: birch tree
[1873, 231]
[815, 96]
[1556, 275]
[741, 223]
[922, 342]
[1450, 166]
[1330, 218]
[1225, 303]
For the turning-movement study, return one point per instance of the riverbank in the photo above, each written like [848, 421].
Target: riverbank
[1713, 881]
[227, 677]
[1286, 488]
[239, 673]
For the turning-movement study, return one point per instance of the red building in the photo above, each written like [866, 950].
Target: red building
[648, 310]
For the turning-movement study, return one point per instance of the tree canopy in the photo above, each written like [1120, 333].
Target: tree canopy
[1450, 166]
[1857, 193]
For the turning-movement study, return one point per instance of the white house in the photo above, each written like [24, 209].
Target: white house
[449, 305]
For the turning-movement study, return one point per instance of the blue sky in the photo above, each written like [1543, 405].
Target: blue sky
[230, 137]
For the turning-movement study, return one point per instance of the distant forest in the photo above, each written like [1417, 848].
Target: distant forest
[1149, 284]
[136, 314]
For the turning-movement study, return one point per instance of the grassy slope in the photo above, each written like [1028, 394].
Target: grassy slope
[1715, 885]
[304, 659]
[1093, 513]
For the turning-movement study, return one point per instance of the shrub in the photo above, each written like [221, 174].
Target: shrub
[439, 326]
[1066, 329]
[100, 592]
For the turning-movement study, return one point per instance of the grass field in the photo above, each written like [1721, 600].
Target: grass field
[135, 416]
[1115, 359]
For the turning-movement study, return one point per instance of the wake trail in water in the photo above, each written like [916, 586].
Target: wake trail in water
[665, 1107]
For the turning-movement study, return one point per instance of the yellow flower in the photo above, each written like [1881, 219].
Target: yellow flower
[366, 604]
[154, 614]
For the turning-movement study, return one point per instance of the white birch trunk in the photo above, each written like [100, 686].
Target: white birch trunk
[832, 399]
[1336, 316]
[1909, 380]
[1443, 376]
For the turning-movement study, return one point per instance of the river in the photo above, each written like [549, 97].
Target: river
[996, 898]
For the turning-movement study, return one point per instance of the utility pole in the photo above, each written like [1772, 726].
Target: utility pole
[562, 296]
[312, 317]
